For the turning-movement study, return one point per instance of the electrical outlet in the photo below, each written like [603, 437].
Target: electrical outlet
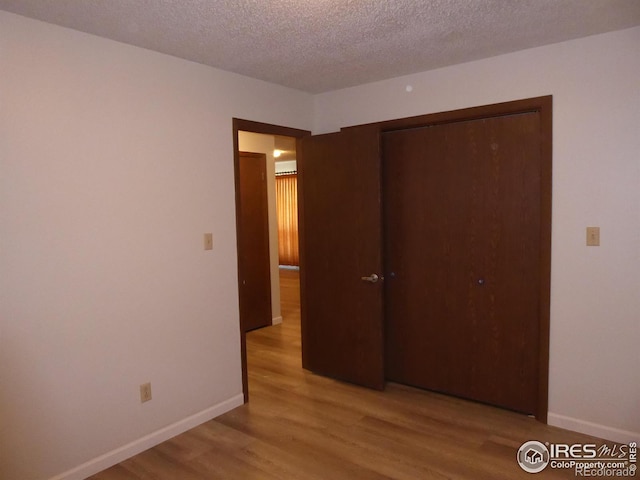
[145, 392]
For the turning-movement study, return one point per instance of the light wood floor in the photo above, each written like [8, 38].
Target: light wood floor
[300, 426]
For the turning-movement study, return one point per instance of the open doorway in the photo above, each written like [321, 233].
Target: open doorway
[267, 226]
[268, 139]
[256, 160]
[286, 188]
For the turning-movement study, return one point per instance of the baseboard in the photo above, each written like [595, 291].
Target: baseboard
[594, 429]
[127, 451]
[276, 321]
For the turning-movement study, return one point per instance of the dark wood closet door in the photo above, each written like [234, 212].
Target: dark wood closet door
[253, 243]
[341, 242]
[462, 254]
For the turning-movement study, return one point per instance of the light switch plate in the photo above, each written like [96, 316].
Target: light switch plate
[208, 241]
[593, 236]
[145, 392]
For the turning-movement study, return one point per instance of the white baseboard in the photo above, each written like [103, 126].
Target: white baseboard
[276, 321]
[594, 429]
[137, 446]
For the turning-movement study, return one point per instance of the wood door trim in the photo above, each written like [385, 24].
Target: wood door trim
[267, 129]
[542, 105]
[536, 104]
[239, 124]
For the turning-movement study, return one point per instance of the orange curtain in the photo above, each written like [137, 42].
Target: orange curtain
[287, 205]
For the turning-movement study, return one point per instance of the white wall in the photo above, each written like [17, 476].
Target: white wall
[259, 143]
[595, 291]
[114, 161]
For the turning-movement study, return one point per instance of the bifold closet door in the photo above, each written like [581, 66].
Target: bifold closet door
[462, 255]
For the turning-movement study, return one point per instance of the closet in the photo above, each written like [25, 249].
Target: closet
[425, 253]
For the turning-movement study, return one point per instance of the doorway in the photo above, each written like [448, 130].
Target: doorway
[240, 126]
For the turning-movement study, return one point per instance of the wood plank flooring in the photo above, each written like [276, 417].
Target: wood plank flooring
[298, 425]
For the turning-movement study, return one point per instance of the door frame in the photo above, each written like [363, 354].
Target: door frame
[239, 124]
[543, 106]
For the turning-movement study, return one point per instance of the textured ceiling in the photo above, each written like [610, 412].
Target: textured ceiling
[322, 45]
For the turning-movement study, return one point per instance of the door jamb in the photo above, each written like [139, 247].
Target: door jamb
[267, 129]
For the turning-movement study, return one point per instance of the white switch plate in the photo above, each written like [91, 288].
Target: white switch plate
[208, 241]
[145, 392]
[593, 236]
